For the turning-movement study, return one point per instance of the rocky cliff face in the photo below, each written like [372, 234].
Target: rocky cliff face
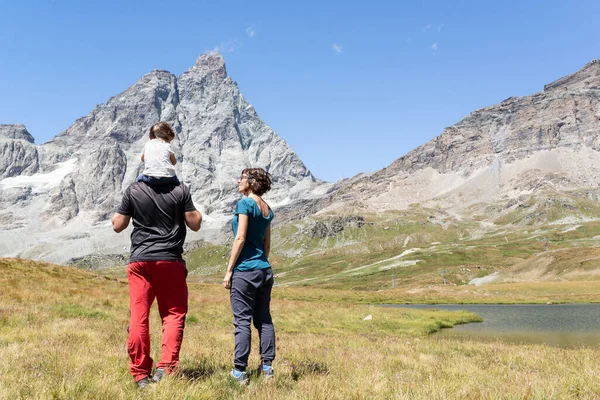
[221, 134]
[497, 151]
[18, 153]
[74, 182]
[218, 135]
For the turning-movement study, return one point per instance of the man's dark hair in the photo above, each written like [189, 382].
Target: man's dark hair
[260, 180]
[162, 130]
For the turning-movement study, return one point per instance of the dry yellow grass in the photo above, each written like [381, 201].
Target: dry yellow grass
[63, 336]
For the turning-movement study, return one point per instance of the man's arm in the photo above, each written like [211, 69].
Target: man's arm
[193, 219]
[120, 222]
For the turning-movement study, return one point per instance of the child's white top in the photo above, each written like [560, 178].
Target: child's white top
[157, 159]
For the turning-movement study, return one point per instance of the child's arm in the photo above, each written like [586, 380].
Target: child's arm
[172, 157]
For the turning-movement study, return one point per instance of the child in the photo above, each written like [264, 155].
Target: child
[158, 158]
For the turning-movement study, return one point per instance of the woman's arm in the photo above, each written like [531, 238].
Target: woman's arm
[268, 242]
[238, 244]
[172, 158]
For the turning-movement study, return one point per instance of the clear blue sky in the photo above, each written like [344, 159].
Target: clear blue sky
[351, 86]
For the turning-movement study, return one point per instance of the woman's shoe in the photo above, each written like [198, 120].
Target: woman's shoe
[239, 376]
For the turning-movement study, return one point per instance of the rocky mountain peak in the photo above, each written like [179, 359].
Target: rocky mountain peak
[15, 131]
[153, 78]
[18, 152]
[77, 178]
[210, 63]
[587, 77]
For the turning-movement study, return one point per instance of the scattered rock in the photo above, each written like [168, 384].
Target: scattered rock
[333, 226]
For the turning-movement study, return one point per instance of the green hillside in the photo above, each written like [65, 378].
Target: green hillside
[417, 247]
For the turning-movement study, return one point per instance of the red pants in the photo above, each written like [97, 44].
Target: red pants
[164, 280]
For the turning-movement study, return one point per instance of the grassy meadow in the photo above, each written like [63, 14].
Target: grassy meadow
[63, 335]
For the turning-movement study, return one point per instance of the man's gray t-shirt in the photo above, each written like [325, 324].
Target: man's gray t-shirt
[158, 214]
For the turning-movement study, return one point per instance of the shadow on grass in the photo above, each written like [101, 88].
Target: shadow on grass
[302, 368]
[201, 370]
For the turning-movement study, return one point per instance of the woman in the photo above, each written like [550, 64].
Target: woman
[249, 275]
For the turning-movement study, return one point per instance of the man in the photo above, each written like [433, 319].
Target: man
[156, 269]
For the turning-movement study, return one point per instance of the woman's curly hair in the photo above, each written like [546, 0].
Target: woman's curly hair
[260, 181]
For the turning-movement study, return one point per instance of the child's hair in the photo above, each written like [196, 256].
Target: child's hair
[260, 180]
[162, 130]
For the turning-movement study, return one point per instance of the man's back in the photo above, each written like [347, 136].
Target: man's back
[158, 213]
[156, 270]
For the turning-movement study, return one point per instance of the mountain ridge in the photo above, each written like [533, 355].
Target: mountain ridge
[554, 130]
[496, 154]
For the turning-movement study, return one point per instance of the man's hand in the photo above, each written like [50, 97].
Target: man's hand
[227, 280]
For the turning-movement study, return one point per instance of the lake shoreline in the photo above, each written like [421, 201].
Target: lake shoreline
[563, 325]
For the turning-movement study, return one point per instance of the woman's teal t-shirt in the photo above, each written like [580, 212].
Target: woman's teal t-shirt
[253, 255]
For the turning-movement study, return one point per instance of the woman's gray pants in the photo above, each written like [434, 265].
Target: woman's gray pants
[251, 299]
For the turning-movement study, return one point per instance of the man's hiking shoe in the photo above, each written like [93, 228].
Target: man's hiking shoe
[266, 370]
[158, 375]
[142, 383]
[239, 376]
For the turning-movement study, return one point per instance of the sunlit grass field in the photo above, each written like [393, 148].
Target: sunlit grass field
[63, 335]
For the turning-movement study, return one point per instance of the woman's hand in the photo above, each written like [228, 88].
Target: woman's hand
[227, 280]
